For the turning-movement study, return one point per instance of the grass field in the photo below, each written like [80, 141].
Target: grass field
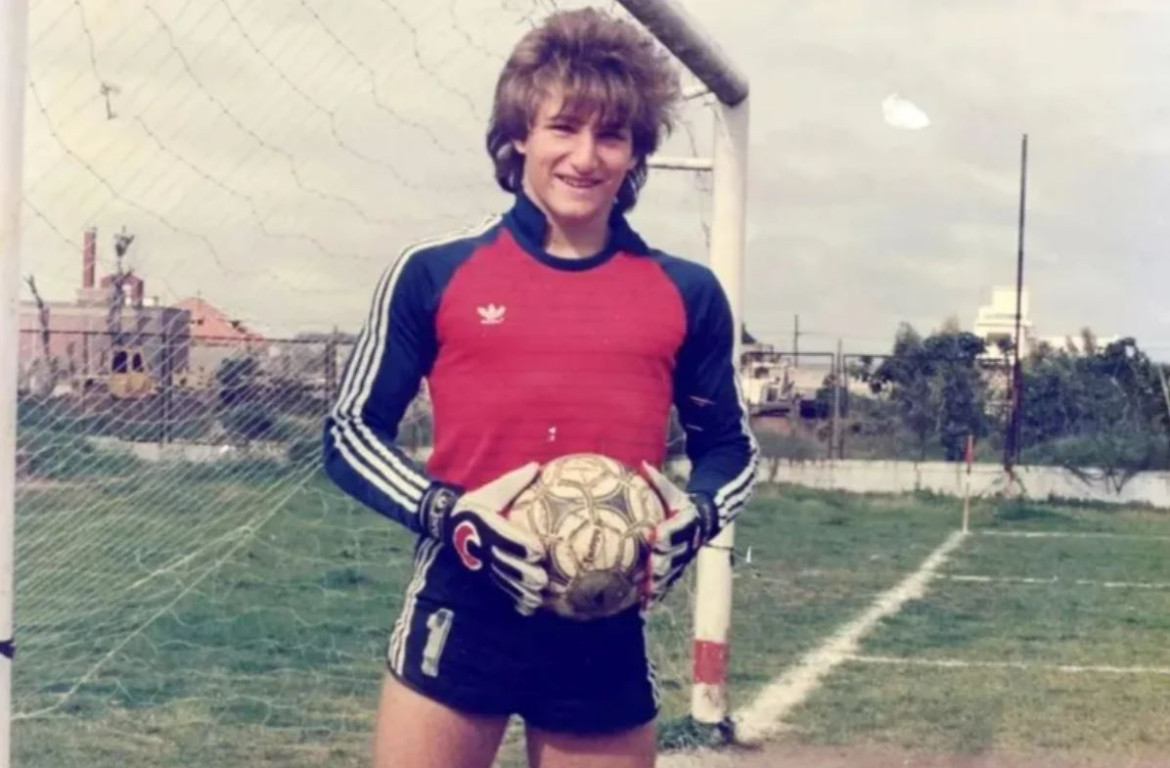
[1024, 644]
[234, 621]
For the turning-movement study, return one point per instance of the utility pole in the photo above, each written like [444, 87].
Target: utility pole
[166, 375]
[1011, 449]
[1165, 390]
[796, 340]
[835, 430]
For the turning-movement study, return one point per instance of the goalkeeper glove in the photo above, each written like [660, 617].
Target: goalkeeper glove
[473, 525]
[691, 521]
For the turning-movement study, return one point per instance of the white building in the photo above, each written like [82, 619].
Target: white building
[995, 323]
[774, 381]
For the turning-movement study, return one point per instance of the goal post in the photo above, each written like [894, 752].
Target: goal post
[671, 25]
[13, 51]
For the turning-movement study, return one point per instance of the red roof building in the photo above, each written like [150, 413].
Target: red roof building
[209, 324]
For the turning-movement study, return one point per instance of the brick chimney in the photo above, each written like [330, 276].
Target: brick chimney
[89, 259]
[137, 291]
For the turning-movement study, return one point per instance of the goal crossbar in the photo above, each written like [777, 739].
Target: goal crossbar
[674, 28]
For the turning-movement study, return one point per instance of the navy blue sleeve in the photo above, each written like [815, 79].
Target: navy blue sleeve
[719, 441]
[394, 352]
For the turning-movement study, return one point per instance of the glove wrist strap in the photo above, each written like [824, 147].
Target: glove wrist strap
[437, 504]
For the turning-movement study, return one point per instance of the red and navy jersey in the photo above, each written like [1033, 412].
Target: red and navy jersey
[528, 356]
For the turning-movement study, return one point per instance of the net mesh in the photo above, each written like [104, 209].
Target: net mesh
[212, 190]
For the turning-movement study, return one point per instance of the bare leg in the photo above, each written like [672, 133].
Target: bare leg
[413, 731]
[634, 748]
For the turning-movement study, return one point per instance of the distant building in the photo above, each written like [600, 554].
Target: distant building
[91, 336]
[995, 323]
[776, 383]
[215, 337]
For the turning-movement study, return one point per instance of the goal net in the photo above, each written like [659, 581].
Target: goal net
[212, 190]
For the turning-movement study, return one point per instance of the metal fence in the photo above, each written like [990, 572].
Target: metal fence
[133, 391]
[1106, 408]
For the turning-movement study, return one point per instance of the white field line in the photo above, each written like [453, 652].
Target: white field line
[1020, 665]
[1069, 535]
[1054, 580]
[765, 715]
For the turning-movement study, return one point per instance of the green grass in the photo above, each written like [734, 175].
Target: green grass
[264, 648]
[1030, 705]
[1129, 558]
[818, 559]
[240, 619]
[1048, 624]
[1069, 518]
[969, 711]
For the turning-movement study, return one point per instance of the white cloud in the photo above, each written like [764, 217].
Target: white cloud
[900, 112]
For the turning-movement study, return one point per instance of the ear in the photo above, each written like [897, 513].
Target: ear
[520, 145]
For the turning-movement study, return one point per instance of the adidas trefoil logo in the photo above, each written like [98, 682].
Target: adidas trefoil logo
[491, 314]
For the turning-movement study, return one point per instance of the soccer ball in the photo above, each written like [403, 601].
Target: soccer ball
[591, 513]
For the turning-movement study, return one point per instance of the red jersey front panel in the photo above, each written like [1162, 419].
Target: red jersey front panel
[535, 362]
[529, 357]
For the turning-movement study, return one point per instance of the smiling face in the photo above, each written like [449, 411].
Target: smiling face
[574, 164]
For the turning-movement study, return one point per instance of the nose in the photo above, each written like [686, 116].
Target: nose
[583, 156]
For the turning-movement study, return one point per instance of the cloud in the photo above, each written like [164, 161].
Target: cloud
[275, 155]
[899, 112]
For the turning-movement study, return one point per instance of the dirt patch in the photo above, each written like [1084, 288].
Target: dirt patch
[884, 756]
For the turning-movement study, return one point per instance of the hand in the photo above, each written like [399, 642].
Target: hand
[691, 522]
[472, 523]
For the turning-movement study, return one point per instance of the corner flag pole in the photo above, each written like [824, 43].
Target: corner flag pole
[969, 457]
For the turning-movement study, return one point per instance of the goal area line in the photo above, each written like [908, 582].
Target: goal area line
[974, 578]
[1023, 666]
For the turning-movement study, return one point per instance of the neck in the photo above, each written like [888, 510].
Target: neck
[573, 239]
[576, 240]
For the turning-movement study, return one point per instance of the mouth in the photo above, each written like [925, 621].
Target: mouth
[579, 183]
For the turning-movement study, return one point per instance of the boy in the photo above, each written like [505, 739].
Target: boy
[553, 329]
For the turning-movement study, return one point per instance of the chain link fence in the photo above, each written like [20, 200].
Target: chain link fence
[1085, 405]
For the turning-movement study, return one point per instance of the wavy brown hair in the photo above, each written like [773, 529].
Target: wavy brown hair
[603, 65]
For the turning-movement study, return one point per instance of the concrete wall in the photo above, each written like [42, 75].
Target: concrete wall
[1039, 483]
[195, 453]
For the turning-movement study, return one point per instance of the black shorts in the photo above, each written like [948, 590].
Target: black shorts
[460, 642]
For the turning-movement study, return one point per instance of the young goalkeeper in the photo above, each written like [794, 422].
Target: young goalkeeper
[549, 330]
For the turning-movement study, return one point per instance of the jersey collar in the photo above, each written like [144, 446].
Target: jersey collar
[529, 225]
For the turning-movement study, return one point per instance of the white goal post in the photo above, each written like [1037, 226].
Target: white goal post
[668, 22]
[13, 48]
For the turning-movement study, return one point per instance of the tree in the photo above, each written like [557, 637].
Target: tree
[1095, 406]
[236, 379]
[937, 386]
[49, 373]
[963, 396]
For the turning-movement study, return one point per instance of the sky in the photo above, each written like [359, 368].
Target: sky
[273, 156]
